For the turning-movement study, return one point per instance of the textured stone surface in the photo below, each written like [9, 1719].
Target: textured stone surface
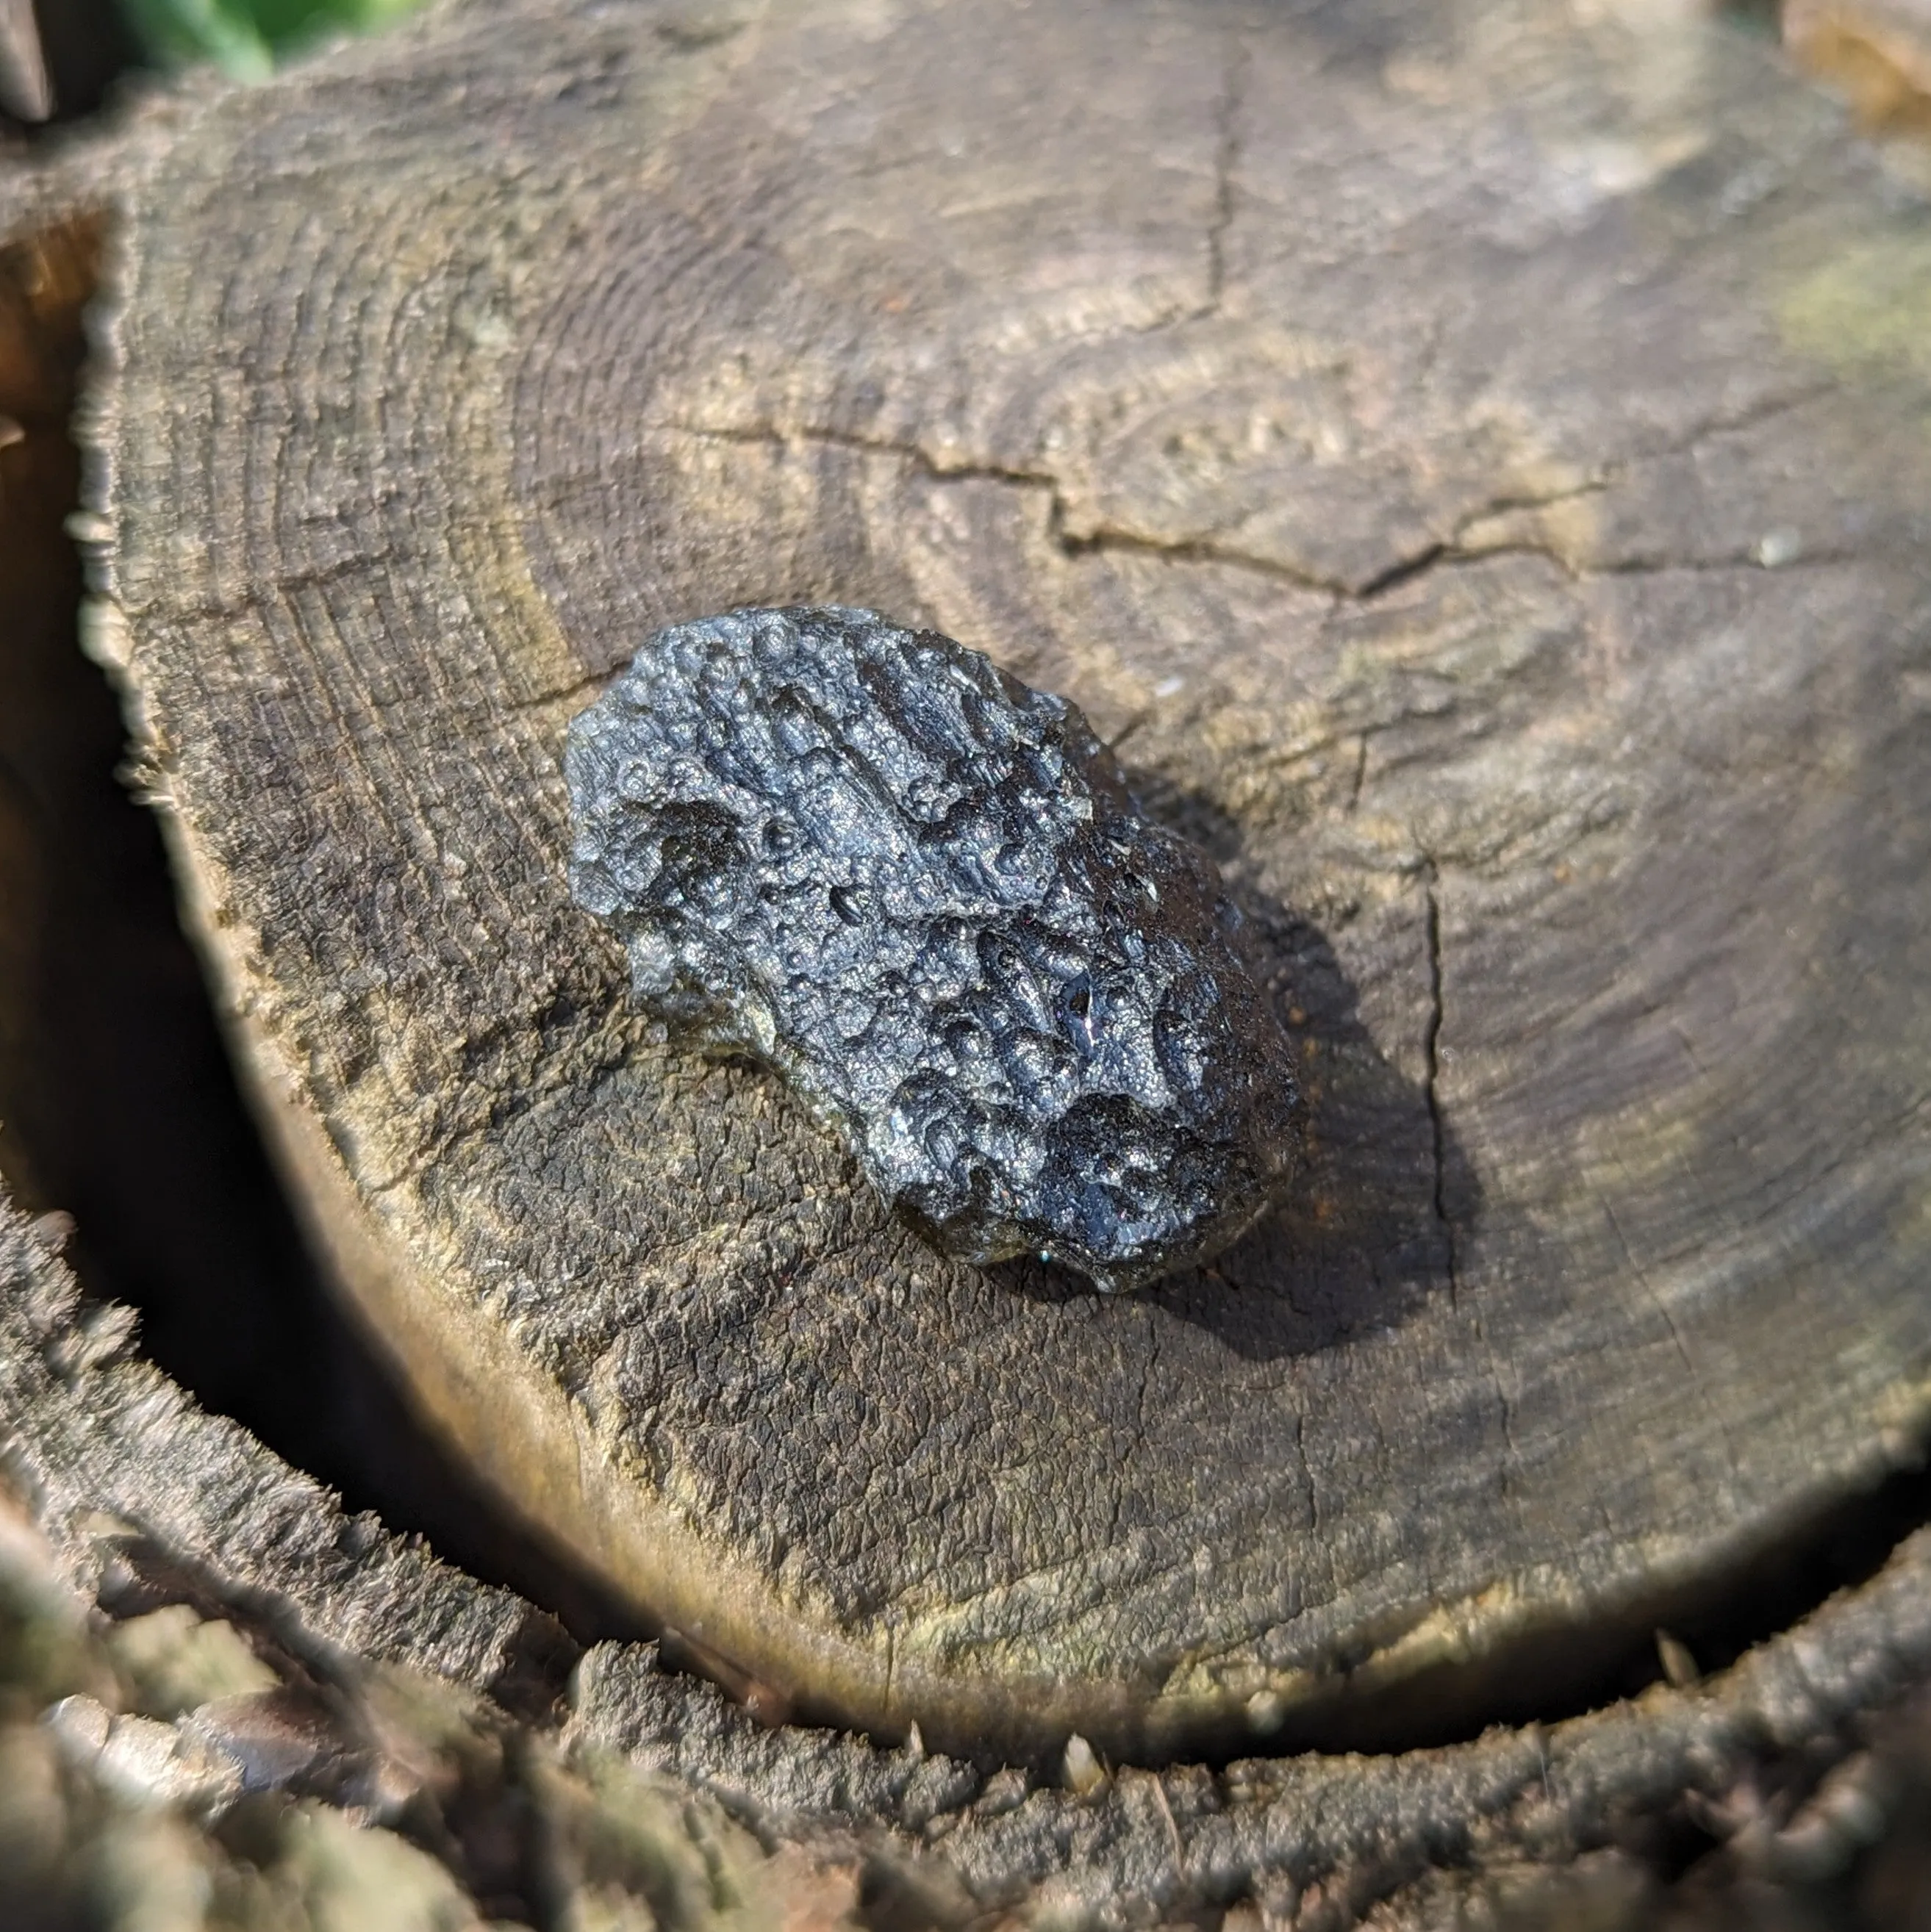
[921, 891]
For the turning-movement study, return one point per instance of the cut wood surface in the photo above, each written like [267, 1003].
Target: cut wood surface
[147, 1502]
[1473, 463]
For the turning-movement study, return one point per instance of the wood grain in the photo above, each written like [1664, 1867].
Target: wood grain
[147, 1500]
[1474, 466]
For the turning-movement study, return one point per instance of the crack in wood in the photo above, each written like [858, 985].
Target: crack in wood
[1432, 1035]
[1441, 553]
[1227, 161]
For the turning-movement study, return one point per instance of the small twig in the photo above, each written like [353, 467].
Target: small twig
[25, 92]
[1173, 1829]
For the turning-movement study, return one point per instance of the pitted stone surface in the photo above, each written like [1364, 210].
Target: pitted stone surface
[921, 891]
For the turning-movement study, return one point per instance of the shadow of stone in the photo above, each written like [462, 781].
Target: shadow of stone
[1386, 1196]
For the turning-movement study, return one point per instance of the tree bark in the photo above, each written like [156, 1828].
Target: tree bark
[147, 1501]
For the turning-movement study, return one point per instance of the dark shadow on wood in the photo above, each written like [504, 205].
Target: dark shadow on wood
[61, 62]
[1386, 1196]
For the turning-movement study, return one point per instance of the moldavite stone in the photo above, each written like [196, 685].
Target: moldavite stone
[920, 891]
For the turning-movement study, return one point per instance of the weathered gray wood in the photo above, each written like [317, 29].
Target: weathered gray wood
[146, 1500]
[225, 1630]
[1470, 462]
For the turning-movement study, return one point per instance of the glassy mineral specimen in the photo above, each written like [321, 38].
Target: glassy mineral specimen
[919, 890]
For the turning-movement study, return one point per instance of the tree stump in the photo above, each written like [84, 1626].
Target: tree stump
[1473, 467]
